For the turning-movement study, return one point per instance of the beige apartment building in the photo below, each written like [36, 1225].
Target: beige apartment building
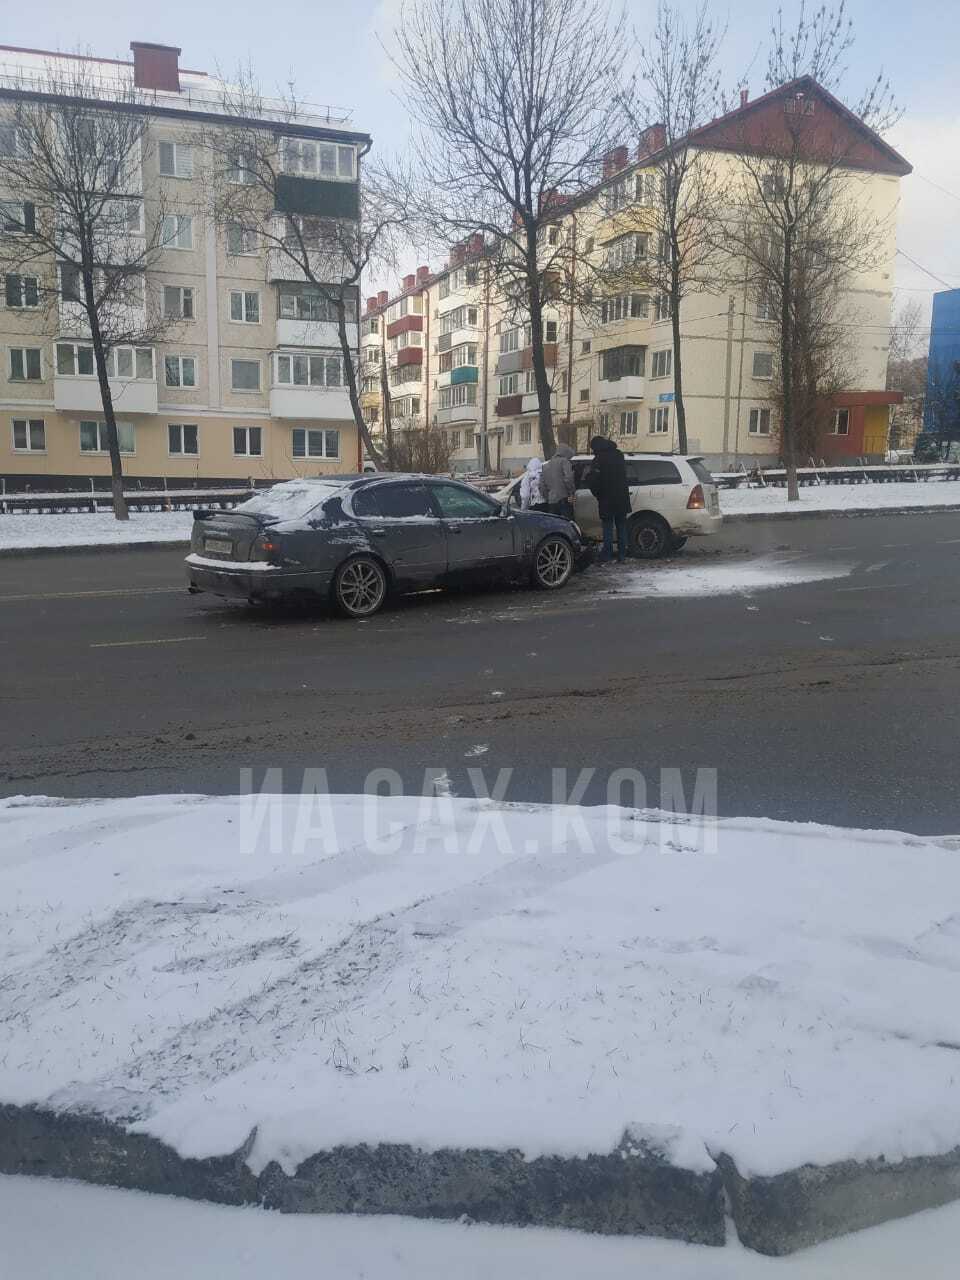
[612, 364]
[247, 380]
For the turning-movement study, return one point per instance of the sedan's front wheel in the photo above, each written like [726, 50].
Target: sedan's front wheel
[553, 563]
[360, 587]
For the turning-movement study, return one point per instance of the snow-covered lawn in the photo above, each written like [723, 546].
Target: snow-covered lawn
[447, 971]
[679, 577]
[841, 497]
[59, 1229]
[83, 528]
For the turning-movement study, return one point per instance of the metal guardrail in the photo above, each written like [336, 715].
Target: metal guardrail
[880, 473]
[140, 500]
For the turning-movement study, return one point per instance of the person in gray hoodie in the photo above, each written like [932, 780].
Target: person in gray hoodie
[557, 484]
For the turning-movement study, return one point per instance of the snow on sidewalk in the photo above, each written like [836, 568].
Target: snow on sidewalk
[454, 972]
[113, 1235]
[84, 528]
[840, 497]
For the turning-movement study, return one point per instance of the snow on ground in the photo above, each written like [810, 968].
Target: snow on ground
[678, 577]
[112, 1235]
[84, 528]
[450, 971]
[841, 497]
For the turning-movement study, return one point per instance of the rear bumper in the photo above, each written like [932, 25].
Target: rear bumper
[237, 582]
[696, 524]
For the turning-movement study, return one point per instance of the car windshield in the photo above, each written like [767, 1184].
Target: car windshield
[288, 501]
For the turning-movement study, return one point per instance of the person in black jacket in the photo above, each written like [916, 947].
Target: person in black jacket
[607, 481]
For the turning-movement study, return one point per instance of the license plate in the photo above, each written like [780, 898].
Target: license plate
[219, 546]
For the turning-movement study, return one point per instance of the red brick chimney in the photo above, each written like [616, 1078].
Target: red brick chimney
[409, 281]
[475, 244]
[423, 275]
[614, 161]
[653, 138]
[372, 303]
[457, 254]
[382, 297]
[744, 97]
[156, 66]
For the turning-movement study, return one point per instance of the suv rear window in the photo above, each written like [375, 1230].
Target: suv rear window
[656, 471]
[702, 472]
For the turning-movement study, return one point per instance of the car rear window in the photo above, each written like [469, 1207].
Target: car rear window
[654, 471]
[701, 471]
[288, 501]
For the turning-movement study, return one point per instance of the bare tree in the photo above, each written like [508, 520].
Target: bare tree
[81, 236]
[255, 194]
[516, 102]
[678, 90]
[423, 449]
[943, 402]
[906, 372]
[799, 217]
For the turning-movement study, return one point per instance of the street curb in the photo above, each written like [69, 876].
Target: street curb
[747, 516]
[7, 553]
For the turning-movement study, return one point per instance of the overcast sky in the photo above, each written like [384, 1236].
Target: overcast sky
[332, 53]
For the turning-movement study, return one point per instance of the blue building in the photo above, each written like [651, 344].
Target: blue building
[941, 413]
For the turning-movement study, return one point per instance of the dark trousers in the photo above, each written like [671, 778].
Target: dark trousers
[608, 524]
[562, 508]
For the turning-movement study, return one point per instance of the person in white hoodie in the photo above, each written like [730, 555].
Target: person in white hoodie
[531, 493]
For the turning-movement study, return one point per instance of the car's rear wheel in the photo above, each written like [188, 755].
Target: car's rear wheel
[360, 587]
[677, 544]
[552, 563]
[650, 537]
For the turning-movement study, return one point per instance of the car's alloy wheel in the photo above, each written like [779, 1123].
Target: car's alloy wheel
[649, 539]
[361, 587]
[553, 564]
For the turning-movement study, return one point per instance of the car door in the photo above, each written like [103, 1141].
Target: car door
[655, 485]
[399, 519]
[585, 509]
[479, 535]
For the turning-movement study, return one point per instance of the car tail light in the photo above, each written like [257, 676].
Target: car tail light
[264, 549]
[696, 501]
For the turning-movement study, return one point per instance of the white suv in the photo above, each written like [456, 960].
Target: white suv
[672, 498]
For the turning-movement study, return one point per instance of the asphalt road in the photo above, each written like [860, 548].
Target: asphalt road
[834, 700]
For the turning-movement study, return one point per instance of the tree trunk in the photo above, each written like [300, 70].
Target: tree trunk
[787, 425]
[535, 302]
[120, 509]
[351, 374]
[675, 292]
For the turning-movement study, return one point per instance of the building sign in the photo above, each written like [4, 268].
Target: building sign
[665, 397]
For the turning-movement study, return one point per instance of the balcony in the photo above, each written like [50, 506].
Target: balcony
[509, 362]
[313, 333]
[629, 387]
[406, 324]
[464, 373]
[327, 404]
[82, 395]
[549, 356]
[410, 355]
[458, 413]
[509, 406]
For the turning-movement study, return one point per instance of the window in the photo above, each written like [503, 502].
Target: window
[841, 422]
[241, 168]
[622, 362]
[176, 231]
[25, 364]
[459, 318]
[245, 375]
[625, 306]
[763, 364]
[550, 331]
[180, 371]
[662, 364]
[370, 325]
[75, 359]
[509, 385]
[661, 307]
[22, 291]
[630, 422]
[403, 501]
[176, 159]
[604, 423]
[647, 188]
[764, 309]
[660, 420]
[585, 346]
[563, 380]
[759, 424]
[177, 302]
[529, 382]
[17, 215]
[305, 302]
[71, 289]
[247, 442]
[584, 395]
[626, 250]
[310, 443]
[244, 306]
[123, 215]
[618, 196]
[525, 432]
[509, 341]
[93, 437]
[308, 370]
[458, 503]
[508, 434]
[319, 159]
[454, 438]
[8, 140]
[465, 354]
[799, 106]
[459, 394]
[772, 185]
[29, 435]
[241, 240]
[182, 439]
[657, 472]
[406, 407]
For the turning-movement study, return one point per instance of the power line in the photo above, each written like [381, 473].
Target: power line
[953, 195]
[922, 268]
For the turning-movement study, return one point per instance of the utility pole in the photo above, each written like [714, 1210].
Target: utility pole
[728, 376]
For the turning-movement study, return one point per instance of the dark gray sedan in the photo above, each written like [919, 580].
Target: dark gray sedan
[353, 539]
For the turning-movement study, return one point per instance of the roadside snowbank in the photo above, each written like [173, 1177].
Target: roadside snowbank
[453, 972]
[114, 1235]
[675, 578]
[840, 497]
[83, 528]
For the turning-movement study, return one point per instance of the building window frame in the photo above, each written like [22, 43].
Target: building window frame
[178, 439]
[180, 364]
[245, 360]
[21, 292]
[758, 422]
[185, 300]
[660, 421]
[245, 306]
[304, 442]
[26, 428]
[30, 363]
[661, 363]
[763, 357]
[247, 437]
[126, 431]
[174, 159]
[841, 423]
